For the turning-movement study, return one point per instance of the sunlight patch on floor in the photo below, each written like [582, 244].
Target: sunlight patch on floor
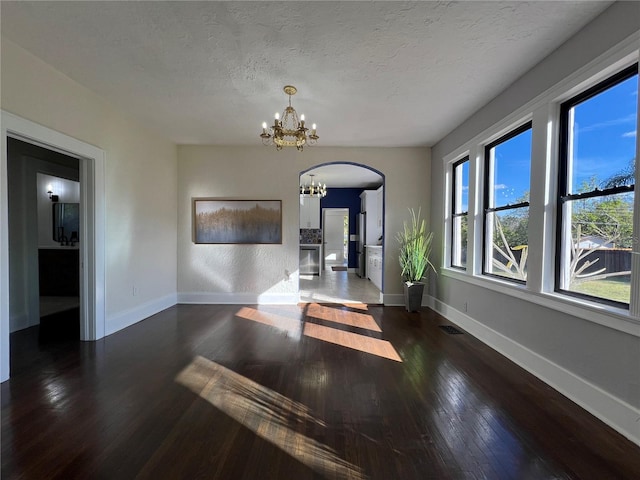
[355, 341]
[270, 415]
[343, 317]
[373, 346]
[292, 326]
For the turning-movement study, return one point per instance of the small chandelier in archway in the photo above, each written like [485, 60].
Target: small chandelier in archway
[312, 189]
[290, 131]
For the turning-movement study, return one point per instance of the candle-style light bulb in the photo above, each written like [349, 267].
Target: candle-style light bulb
[277, 116]
[264, 125]
[302, 117]
[313, 126]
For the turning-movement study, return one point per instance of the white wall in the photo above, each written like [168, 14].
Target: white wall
[140, 186]
[596, 366]
[269, 272]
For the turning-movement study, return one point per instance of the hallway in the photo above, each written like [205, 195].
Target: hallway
[338, 287]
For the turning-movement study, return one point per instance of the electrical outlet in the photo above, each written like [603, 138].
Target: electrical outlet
[134, 291]
[465, 306]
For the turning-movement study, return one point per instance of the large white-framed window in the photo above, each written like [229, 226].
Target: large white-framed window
[550, 217]
[597, 175]
[507, 171]
[460, 213]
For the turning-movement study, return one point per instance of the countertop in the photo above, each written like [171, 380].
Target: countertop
[310, 244]
[373, 246]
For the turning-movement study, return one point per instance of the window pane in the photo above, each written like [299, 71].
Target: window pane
[461, 188]
[600, 247]
[460, 206]
[602, 138]
[459, 251]
[510, 171]
[508, 253]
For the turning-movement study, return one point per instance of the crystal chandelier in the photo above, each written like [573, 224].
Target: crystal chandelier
[290, 131]
[313, 190]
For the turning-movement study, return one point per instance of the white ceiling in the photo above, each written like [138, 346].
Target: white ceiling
[368, 73]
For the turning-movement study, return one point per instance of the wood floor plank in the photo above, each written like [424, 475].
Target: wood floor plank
[292, 392]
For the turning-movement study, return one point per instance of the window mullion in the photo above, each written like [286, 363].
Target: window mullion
[538, 190]
[474, 220]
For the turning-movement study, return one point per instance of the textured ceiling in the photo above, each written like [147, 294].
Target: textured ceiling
[368, 73]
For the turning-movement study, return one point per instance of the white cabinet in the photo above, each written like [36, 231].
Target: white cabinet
[374, 266]
[309, 212]
[379, 214]
[369, 201]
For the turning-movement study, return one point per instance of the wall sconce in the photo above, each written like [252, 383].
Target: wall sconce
[52, 197]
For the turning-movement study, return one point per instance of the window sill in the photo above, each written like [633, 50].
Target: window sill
[606, 315]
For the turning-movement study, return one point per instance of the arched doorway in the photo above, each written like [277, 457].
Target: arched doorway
[350, 257]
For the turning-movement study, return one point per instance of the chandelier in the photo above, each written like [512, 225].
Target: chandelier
[313, 190]
[290, 131]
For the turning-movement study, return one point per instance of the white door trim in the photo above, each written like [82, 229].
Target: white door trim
[92, 251]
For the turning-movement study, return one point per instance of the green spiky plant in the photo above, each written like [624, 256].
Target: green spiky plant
[415, 248]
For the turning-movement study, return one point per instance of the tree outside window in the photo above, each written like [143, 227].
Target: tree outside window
[596, 190]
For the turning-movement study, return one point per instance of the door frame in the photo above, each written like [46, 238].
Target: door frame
[92, 217]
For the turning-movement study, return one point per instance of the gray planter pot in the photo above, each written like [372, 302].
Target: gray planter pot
[413, 296]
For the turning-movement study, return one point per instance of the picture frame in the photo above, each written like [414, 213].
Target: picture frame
[230, 221]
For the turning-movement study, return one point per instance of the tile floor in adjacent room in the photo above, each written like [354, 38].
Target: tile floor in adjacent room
[338, 287]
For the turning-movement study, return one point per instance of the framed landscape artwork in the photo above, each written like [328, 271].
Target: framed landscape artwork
[237, 221]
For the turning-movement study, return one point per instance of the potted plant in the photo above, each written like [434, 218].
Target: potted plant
[415, 249]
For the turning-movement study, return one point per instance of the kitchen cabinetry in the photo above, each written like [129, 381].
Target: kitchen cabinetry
[374, 265]
[369, 201]
[379, 213]
[309, 212]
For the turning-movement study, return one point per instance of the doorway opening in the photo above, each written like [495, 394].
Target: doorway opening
[335, 238]
[334, 223]
[88, 239]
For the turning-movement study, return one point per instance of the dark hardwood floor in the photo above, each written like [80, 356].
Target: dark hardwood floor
[292, 392]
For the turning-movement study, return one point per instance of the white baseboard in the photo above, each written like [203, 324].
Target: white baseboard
[392, 299]
[239, 298]
[611, 410]
[397, 300]
[117, 322]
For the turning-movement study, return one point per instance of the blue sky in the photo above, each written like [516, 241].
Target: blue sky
[605, 134]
